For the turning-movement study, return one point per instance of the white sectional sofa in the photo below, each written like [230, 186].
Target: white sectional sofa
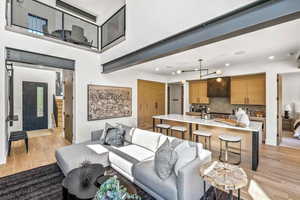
[136, 162]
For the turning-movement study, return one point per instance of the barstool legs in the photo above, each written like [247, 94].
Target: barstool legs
[227, 152]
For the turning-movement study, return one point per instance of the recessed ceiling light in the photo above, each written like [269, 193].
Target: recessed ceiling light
[239, 52]
[178, 71]
[271, 57]
[227, 64]
[219, 72]
[196, 69]
[157, 69]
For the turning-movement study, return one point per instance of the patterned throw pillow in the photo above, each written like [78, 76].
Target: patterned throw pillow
[103, 136]
[164, 160]
[115, 137]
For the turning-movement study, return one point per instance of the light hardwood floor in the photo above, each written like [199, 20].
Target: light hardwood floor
[278, 173]
[41, 152]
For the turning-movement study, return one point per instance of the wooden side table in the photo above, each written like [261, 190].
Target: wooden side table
[287, 124]
[223, 176]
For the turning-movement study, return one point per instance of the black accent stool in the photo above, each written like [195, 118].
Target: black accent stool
[18, 135]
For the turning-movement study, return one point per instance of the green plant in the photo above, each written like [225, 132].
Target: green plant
[112, 190]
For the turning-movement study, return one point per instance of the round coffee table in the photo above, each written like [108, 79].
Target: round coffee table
[125, 183]
[224, 176]
[75, 189]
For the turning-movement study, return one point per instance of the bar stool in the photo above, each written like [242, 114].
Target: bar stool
[230, 139]
[163, 127]
[180, 129]
[207, 136]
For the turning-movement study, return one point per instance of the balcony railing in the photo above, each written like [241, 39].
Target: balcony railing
[114, 28]
[42, 19]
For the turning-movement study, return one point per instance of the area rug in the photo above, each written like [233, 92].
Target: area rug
[44, 183]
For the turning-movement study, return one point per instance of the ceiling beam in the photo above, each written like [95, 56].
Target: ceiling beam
[255, 16]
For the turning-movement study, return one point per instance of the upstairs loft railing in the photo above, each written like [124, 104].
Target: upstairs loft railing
[42, 19]
[114, 28]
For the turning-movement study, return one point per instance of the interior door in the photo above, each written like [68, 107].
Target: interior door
[279, 109]
[175, 99]
[35, 106]
[68, 105]
[151, 101]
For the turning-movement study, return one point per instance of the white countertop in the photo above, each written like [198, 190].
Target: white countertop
[254, 126]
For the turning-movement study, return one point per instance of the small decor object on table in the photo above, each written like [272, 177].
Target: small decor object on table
[224, 176]
[80, 182]
[112, 189]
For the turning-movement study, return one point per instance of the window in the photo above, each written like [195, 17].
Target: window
[37, 25]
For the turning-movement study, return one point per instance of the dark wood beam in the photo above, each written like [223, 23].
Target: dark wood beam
[255, 16]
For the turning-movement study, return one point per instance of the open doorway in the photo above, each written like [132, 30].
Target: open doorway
[39, 100]
[289, 110]
[175, 98]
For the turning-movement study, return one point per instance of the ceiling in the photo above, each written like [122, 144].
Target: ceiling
[102, 8]
[278, 41]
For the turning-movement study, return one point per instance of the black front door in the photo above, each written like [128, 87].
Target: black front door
[35, 106]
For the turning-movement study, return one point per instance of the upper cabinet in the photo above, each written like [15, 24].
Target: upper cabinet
[248, 90]
[198, 92]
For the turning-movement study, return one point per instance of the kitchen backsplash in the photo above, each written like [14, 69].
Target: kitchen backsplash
[222, 105]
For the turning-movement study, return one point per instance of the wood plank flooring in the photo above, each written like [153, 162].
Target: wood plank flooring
[278, 173]
[41, 152]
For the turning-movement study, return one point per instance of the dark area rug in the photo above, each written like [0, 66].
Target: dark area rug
[218, 195]
[44, 183]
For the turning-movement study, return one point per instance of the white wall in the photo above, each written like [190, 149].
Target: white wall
[291, 90]
[32, 75]
[87, 71]
[272, 69]
[164, 18]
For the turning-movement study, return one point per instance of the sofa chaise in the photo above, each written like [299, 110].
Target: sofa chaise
[135, 161]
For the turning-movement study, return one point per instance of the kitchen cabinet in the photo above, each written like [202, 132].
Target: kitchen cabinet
[248, 90]
[198, 92]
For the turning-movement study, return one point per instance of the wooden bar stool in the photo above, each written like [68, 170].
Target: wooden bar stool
[163, 127]
[180, 129]
[207, 136]
[230, 139]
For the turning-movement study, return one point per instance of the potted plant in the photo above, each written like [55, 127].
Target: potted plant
[111, 189]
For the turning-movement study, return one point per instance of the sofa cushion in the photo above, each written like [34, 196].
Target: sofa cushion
[185, 156]
[128, 132]
[146, 139]
[145, 174]
[103, 136]
[71, 157]
[115, 137]
[127, 156]
[164, 160]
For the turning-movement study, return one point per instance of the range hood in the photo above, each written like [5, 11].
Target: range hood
[218, 89]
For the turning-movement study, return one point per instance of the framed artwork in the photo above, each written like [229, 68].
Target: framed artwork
[106, 102]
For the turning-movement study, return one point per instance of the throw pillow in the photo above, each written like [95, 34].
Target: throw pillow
[186, 154]
[128, 132]
[164, 160]
[103, 136]
[115, 137]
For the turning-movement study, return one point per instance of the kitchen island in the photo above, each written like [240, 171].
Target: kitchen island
[250, 134]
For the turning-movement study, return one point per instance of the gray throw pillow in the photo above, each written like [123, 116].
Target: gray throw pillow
[115, 137]
[103, 136]
[128, 132]
[164, 160]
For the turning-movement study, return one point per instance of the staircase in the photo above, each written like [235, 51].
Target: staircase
[59, 104]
